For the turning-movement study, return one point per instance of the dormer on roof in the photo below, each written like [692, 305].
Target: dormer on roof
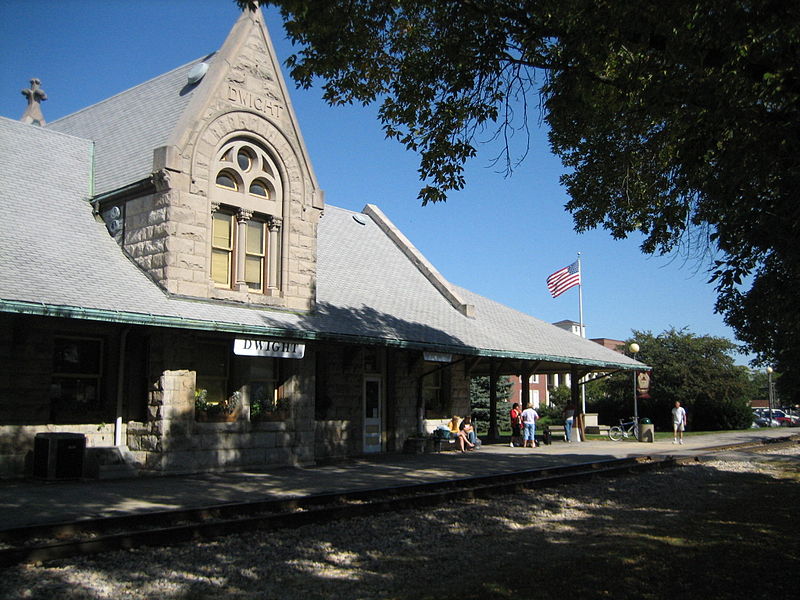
[204, 179]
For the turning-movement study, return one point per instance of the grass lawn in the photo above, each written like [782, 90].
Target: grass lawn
[505, 434]
[660, 435]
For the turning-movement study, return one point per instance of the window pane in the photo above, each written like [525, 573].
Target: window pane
[262, 368]
[372, 398]
[222, 230]
[215, 388]
[212, 360]
[224, 180]
[255, 237]
[262, 397]
[253, 269]
[244, 159]
[211, 365]
[77, 356]
[220, 267]
[258, 189]
[433, 380]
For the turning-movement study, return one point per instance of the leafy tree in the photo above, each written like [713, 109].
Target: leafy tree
[560, 397]
[479, 400]
[777, 337]
[679, 120]
[696, 370]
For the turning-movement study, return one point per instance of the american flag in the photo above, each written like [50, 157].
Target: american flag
[563, 279]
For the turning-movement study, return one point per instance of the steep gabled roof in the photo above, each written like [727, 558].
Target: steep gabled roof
[368, 289]
[127, 127]
[374, 289]
[167, 110]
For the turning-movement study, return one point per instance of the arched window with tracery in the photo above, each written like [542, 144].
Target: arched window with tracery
[246, 218]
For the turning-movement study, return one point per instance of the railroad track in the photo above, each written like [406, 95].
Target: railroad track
[91, 536]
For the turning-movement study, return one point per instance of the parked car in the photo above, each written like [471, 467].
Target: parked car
[765, 422]
[784, 418]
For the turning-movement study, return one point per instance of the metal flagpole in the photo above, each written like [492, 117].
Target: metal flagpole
[580, 293]
[582, 330]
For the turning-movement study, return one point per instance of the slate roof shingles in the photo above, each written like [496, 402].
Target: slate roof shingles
[366, 286]
[128, 126]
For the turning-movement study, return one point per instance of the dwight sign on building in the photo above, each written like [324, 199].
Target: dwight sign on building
[268, 348]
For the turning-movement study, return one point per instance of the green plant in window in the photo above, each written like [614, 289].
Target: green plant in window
[259, 400]
[222, 408]
[231, 404]
[201, 400]
[263, 401]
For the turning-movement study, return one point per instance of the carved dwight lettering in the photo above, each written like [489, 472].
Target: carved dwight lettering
[253, 101]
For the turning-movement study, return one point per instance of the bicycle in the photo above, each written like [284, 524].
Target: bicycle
[624, 430]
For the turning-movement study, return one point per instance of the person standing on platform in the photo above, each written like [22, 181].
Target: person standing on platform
[529, 418]
[678, 423]
[515, 416]
[569, 415]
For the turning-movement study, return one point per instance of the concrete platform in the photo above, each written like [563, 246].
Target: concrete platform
[30, 502]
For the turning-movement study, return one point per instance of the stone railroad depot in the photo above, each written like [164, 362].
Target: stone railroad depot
[187, 300]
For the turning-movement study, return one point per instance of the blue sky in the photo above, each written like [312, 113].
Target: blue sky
[500, 237]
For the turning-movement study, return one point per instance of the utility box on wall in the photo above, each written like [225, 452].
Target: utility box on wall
[58, 455]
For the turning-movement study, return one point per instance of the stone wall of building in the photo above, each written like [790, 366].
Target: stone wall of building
[145, 234]
[26, 353]
[339, 418]
[168, 233]
[338, 401]
[405, 368]
[174, 439]
[323, 396]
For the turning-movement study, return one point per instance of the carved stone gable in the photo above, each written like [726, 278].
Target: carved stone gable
[243, 206]
[252, 81]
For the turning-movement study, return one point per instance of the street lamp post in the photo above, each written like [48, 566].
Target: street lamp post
[769, 393]
[634, 347]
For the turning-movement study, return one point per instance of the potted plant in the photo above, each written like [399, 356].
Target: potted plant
[224, 410]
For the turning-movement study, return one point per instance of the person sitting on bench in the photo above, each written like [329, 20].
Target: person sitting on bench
[467, 435]
[452, 425]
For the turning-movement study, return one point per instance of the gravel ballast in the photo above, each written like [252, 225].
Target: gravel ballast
[716, 529]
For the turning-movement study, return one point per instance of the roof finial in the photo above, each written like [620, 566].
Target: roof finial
[35, 95]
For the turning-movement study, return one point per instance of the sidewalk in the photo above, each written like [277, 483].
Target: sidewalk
[29, 502]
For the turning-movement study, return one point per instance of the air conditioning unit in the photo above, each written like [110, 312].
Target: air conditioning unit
[58, 455]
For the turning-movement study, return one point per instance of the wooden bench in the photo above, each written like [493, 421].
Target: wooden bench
[440, 444]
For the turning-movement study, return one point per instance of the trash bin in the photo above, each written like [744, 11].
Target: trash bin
[58, 455]
[647, 432]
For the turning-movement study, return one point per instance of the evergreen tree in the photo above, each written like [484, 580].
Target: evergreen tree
[479, 400]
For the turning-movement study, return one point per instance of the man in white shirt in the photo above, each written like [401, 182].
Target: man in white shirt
[529, 417]
[678, 423]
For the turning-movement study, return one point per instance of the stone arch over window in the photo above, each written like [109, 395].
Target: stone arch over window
[296, 204]
[247, 202]
[245, 175]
